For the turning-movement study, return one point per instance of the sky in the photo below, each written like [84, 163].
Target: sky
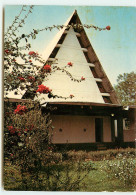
[115, 48]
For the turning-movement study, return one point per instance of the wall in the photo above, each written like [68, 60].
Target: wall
[129, 135]
[73, 129]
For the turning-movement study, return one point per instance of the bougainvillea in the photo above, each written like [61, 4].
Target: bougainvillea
[71, 96]
[43, 89]
[31, 53]
[47, 68]
[6, 51]
[108, 27]
[82, 78]
[26, 134]
[70, 63]
[20, 110]
[22, 79]
[11, 129]
[31, 78]
[28, 68]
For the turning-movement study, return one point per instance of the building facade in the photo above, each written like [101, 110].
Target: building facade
[92, 114]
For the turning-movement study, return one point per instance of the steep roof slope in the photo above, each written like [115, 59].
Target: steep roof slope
[73, 45]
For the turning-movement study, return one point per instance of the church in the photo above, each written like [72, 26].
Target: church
[92, 116]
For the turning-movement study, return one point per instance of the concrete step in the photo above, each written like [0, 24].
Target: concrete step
[101, 147]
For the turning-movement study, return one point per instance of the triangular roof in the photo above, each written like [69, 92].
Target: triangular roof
[56, 39]
[97, 87]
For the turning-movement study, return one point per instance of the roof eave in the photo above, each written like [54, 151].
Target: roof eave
[85, 104]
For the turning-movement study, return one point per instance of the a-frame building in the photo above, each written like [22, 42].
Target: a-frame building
[89, 116]
[94, 115]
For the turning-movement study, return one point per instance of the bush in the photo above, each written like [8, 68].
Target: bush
[122, 168]
[101, 155]
[63, 176]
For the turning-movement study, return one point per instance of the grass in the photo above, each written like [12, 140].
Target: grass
[97, 179]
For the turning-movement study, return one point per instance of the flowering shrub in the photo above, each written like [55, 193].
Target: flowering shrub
[32, 53]
[16, 45]
[43, 89]
[6, 51]
[82, 78]
[108, 27]
[31, 78]
[122, 168]
[19, 132]
[20, 109]
[47, 68]
[11, 129]
[71, 96]
[28, 133]
[70, 63]
[21, 79]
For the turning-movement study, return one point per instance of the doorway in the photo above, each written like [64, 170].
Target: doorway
[98, 129]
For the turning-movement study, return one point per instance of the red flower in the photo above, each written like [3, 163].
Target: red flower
[31, 78]
[70, 63]
[6, 51]
[11, 155]
[71, 96]
[49, 148]
[108, 27]
[11, 129]
[47, 68]
[25, 130]
[43, 89]
[30, 60]
[20, 109]
[31, 53]
[19, 134]
[82, 78]
[21, 79]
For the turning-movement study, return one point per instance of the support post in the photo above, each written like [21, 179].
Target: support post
[112, 130]
[120, 135]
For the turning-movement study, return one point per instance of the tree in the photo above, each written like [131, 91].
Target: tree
[126, 88]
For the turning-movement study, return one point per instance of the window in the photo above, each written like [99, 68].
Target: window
[126, 124]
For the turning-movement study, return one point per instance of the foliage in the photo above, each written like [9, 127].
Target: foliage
[26, 134]
[50, 177]
[101, 155]
[27, 146]
[122, 168]
[95, 180]
[126, 88]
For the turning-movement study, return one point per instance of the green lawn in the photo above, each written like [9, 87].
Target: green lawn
[96, 180]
